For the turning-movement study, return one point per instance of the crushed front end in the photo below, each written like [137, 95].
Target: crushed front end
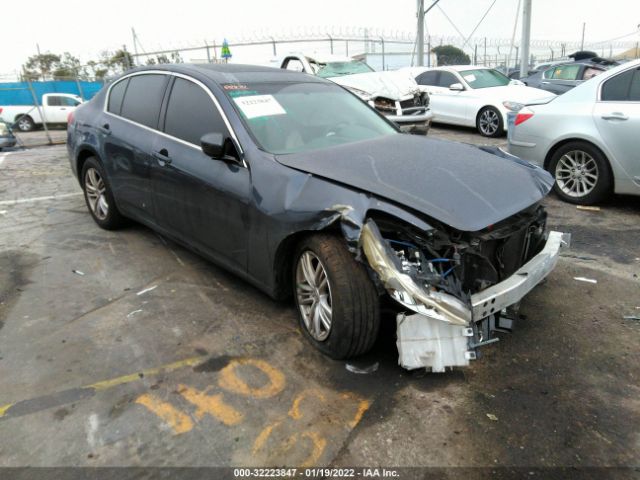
[457, 289]
[410, 112]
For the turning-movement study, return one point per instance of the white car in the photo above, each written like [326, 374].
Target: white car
[586, 138]
[393, 94]
[473, 96]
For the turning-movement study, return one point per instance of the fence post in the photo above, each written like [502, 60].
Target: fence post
[80, 92]
[346, 43]
[383, 63]
[275, 53]
[208, 54]
[41, 111]
[485, 52]
[330, 43]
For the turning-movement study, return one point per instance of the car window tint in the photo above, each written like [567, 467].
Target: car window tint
[634, 91]
[143, 99]
[566, 72]
[54, 101]
[447, 79]
[427, 78]
[617, 88]
[191, 113]
[116, 95]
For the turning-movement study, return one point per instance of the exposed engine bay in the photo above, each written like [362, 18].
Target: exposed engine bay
[438, 274]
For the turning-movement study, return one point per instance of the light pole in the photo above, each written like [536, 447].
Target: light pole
[526, 38]
[420, 40]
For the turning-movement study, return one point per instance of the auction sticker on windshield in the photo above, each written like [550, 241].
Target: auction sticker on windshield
[259, 106]
[470, 78]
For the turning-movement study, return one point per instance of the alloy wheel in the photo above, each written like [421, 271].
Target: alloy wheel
[489, 122]
[24, 124]
[576, 173]
[314, 295]
[95, 190]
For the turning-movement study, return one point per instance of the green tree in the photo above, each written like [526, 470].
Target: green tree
[120, 61]
[68, 67]
[39, 67]
[450, 55]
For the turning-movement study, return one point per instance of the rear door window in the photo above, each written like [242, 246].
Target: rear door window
[191, 113]
[116, 95]
[566, 72]
[428, 78]
[143, 99]
[617, 89]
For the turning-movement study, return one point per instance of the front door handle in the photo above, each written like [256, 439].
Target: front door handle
[106, 129]
[162, 156]
[615, 116]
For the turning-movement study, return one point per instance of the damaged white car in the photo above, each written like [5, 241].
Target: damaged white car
[297, 186]
[393, 94]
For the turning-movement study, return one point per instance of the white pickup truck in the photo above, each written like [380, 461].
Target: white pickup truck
[55, 107]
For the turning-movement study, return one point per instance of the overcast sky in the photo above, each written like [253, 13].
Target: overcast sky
[84, 29]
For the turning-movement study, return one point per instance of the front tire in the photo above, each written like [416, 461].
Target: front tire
[581, 172]
[25, 123]
[489, 122]
[338, 305]
[98, 196]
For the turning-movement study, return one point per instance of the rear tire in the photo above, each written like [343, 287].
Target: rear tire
[25, 123]
[489, 122]
[582, 174]
[99, 197]
[353, 311]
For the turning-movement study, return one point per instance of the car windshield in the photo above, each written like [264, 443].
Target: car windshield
[298, 117]
[338, 69]
[485, 78]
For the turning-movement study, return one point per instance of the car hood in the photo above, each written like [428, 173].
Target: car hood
[459, 185]
[393, 85]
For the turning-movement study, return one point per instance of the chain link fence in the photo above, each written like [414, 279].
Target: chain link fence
[36, 112]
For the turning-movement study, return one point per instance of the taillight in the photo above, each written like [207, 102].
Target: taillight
[0, 109]
[70, 118]
[523, 117]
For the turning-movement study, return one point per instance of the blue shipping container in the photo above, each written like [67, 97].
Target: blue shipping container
[17, 93]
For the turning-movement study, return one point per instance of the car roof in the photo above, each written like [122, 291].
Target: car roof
[462, 68]
[233, 72]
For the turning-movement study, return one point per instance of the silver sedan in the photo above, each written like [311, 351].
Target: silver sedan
[587, 138]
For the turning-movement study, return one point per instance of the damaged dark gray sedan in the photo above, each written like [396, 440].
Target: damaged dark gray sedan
[298, 186]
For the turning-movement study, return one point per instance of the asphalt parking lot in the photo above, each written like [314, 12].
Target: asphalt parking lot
[124, 349]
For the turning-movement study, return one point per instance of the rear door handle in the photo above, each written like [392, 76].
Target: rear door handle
[615, 116]
[162, 156]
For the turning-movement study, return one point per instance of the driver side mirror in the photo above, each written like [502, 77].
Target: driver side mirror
[456, 87]
[212, 145]
[219, 147]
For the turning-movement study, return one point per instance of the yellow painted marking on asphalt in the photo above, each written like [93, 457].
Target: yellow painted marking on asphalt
[294, 412]
[319, 444]
[211, 404]
[363, 406]
[230, 381]
[262, 438]
[4, 408]
[189, 362]
[178, 421]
